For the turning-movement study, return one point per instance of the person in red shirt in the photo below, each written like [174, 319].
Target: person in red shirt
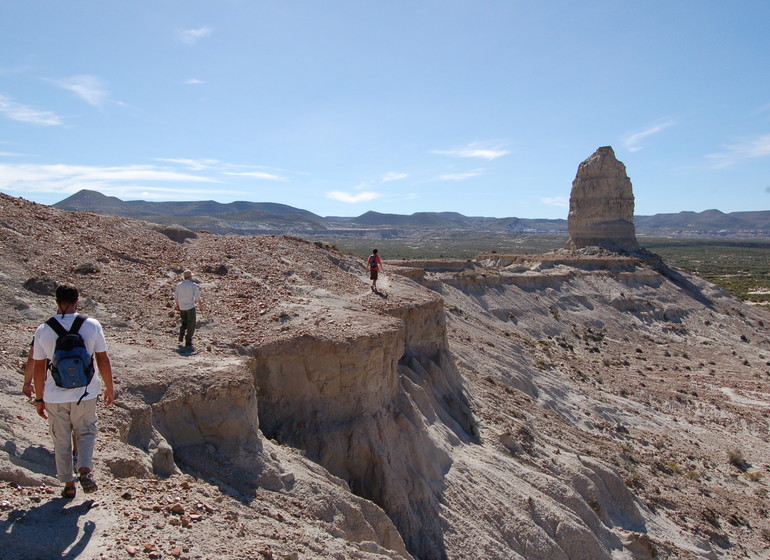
[374, 265]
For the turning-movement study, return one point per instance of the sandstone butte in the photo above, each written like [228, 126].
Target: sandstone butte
[601, 205]
[580, 404]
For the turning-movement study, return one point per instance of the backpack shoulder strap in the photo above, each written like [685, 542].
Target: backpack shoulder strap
[77, 323]
[56, 326]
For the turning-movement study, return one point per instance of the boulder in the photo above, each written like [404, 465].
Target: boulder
[601, 205]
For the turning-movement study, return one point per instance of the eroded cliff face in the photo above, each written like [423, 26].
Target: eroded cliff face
[601, 204]
[566, 406]
[381, 411]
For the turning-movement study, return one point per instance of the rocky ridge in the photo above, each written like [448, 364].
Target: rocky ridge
[254, 218]
[573, 405]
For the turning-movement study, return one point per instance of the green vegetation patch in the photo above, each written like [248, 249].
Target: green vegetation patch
[458, 245]
[741, 268]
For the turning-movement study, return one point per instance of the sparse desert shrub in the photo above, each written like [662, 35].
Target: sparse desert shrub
[693, 475]
[755, 476]
[596, 506]
[737, 459]
[667, 467]
[41, 285]
[627, 449]
[218, 269]
[325, 245]
[554, 312]
[567, 346]
[711, 516]
[525, 434]
[87, 268]
[593, 335]
[634, 480]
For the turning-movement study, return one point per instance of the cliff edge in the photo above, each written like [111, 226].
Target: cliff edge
[562, 406]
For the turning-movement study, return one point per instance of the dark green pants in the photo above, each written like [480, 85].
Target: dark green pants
[188, 325]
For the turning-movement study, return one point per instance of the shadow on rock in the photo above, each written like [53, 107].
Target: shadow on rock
[680, 280]
[50, 530]
[35, 458]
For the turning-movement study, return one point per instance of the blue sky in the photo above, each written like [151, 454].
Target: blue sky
[484, 107]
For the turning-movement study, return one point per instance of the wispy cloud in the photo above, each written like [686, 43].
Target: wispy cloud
[353, 198]
[230, 169]
[24, 113]
[193, 164]
[364, 192]
[473, 151]
[192, 36]
[194, 82]
[257, 175]
[89, 88]
[116, 181]
[393, 176]
[733, 153]
[89, 173]
[558, 201]
[459, 176]
[144, 192]
[632, 140]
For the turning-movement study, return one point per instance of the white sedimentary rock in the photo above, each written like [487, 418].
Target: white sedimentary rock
[601, 206]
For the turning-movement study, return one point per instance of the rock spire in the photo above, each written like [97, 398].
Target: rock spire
[601, 205]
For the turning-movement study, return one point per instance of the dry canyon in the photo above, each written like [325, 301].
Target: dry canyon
[581, 404]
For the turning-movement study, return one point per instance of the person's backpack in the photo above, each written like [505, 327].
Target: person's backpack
[72, 366]
[373, 261]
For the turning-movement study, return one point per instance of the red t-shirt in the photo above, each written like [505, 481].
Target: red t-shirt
[374, 261]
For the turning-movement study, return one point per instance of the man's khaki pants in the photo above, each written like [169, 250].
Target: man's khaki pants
[64, 419]
[187, 330]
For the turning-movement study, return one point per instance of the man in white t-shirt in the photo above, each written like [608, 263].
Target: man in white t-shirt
[187, 294]
[71, 411]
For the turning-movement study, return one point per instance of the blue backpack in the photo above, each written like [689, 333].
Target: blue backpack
[72, 366]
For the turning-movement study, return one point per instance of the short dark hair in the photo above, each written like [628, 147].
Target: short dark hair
[66, 293]
[374, 251]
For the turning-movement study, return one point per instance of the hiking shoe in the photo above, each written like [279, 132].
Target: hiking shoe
[87, 483]
[69, 492]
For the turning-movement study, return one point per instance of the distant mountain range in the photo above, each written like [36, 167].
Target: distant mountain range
[249, 218]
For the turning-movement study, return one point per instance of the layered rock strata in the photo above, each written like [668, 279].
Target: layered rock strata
[381, 412]
[601, 206]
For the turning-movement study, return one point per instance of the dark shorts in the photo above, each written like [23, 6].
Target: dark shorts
[373, 273]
